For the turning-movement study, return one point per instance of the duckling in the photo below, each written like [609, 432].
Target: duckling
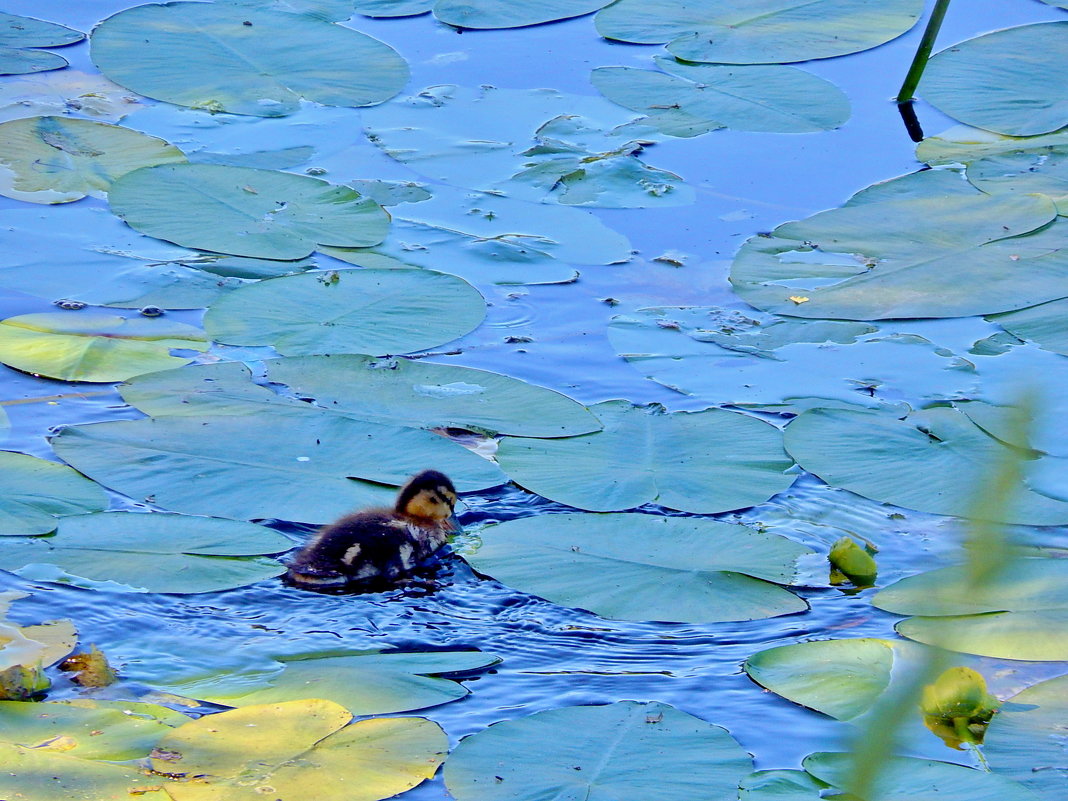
[378, 548]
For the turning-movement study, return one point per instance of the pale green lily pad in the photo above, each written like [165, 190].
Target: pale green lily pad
[1043, 170]
[717, 571]
[154, 552]
[245, 211]
[962, 255]
[60, 159]
[623, 750]
[365, 684]
[702, 462]
[908, 778]
[692, 99]
[376, 312]
[722, 356]
[331, 10]
[17, 33]
[289, 465]
[94, 347]
[56, 93]
[1046, 325]
[761, 32]
[244, 60]
[41, 644]
[290, 747]
[87, 728]
[935, 460]
[780, 785]
[516, 14]
[1025, 740]
[1020, 613]
[393, 8]
[428, 395]
[35, 774]
[534, 144]
[1000, 80]
[34, 492]
[962, 144]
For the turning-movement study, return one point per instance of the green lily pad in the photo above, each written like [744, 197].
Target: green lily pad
[963, 254]
[692, 99]
[962, 144]
[18, 33]
[393, 8]
[1043, 170]
[34, 492]
[717, 571]
[94, 347]
[35, 774]
[428, 395]
[702, 462]
[60, 159]
[243, 60]
[245, 211]
[42, 644]
[331, 10]
[366, 684]
[87, 728]
[288, 465]
[623, 750]
[764, 32]
[154, 552]
[348, 311]
[1046, 325]
[1000, 80]
[1025, 739]
[780, 785]
[289, 747]
[56, 93]
[936, 460]
[493, 14]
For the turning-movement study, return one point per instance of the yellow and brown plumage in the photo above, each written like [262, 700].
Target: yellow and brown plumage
[377, 548]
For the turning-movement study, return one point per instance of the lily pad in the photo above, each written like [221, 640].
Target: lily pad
[1043, 170]
[94, 347]
[35, 774]
[1020, 613]
[244, 60]
[373, 683]
[428, 395]
[393, 8]
[963, 254]
[348, 311]
[780, 785]
[717, 571]
[703, 462]
[1046, 325]
[493, 14]
[34, 492]
[962, 144]
[291, 466]
[18, 33]
[60, 159]
[1025, 739]
[57, 93]
[692, 99]
[765, 32]
[935, 460]
[290, 747]
[154, 552]
[623, 750]
[331, 10]
[999, 81]
[245, 211]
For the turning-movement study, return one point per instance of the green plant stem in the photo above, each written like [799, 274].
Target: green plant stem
[923, 52]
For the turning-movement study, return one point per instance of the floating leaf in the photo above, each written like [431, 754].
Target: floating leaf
[94, 347]
[393, 8]
[935, 460]
[366, 684]
[703, 462]
[348, 311]
[17, 33]
[34, 492]
[766, 32]
[35, 774]
[1025, 739]
[962, 256]
[44, 643]
[332, 10]
[962, 144]
[717, 571]
[999, 81]
[1043, 170]
[1046, 325]
[61, 93]
[244, 211]
[428, 395]
[291, 466]
[289, 747]
[623, 750]
[154, 552]
[244, 60]
[60, 159]
[692, 99]
[492, 14]
[780, 785]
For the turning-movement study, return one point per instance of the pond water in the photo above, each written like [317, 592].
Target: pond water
[555, 335]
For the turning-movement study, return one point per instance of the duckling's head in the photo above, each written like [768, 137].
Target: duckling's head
[429, 495]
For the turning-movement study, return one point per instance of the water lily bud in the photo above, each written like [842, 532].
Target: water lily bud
[853, 561]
